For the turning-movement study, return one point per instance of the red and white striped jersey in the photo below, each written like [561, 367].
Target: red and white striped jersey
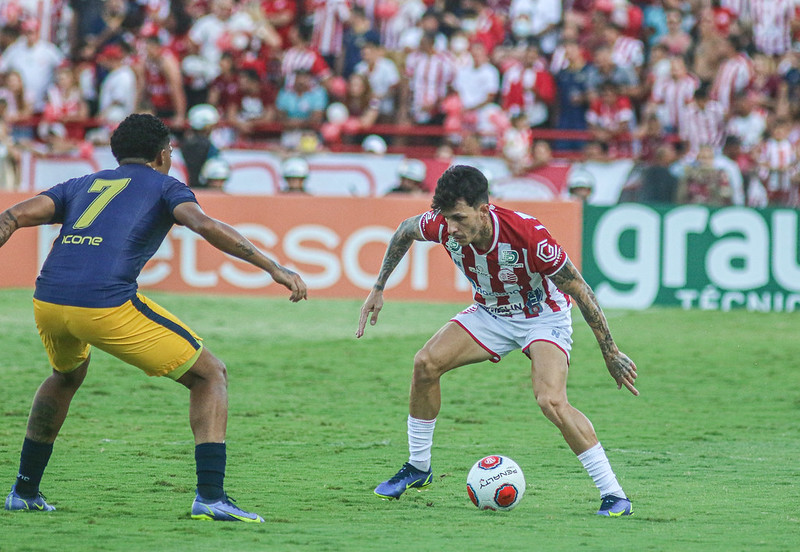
[733, 76]
[772, 25]
[703, 127]
[527, 90]
[300, 58]
[329, 19]
[611, 117]
[628, 52]
[511, 278]
[777, 155]
[429, 78]
[672, 96]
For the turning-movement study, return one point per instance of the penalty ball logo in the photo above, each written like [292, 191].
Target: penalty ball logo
[490, 462]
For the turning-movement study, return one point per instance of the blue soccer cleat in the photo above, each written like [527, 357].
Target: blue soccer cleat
[614, 506]
[36, 504]
[222, 509]
[408, 477]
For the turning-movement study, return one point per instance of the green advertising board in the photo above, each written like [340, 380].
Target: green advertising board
[693, 256]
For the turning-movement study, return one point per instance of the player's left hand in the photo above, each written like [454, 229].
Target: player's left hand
[373, 304]
[623, 370]
[293, 282]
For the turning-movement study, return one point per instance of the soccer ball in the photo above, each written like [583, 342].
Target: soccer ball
[495, 483]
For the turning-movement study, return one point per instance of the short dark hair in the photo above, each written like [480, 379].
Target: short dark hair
[460, 182]
[139, 136]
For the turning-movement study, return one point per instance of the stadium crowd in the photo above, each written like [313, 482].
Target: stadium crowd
[703, 94]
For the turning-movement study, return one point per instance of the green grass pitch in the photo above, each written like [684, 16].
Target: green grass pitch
[708, 453]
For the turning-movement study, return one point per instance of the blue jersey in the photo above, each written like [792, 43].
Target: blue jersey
[112, 221]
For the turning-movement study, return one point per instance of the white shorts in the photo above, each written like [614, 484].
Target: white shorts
[500, 335]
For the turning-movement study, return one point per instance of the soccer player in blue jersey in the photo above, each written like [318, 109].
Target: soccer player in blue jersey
[113, 221]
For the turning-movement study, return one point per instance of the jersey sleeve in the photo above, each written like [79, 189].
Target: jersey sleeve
[433, 226]
[58, 194]
[176, 192]
[546, 255]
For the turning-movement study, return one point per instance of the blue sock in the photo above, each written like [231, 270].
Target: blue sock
[32, 462]
[210, 459]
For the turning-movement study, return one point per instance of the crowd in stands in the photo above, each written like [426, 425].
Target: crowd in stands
[703, 94]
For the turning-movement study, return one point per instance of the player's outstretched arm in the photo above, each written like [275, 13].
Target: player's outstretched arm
[229, 240]
[31, 212]
[621, 368]
[407, 233]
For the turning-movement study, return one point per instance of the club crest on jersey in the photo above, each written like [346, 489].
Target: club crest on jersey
[508, 257]
[547, 252]
[507, 276]
[452, 244]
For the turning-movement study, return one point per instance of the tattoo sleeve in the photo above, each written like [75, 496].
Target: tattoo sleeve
[8, 224]
[570, 281]
[401, 241]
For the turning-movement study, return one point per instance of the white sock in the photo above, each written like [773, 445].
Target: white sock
[420, 442]
[596, 464]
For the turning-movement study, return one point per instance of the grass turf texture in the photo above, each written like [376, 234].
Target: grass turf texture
[708, 453]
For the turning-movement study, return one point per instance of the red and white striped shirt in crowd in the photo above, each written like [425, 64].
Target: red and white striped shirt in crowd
[733, 77]
[527, 90]
[394, 25]
[511, 277]
[430, 76]
[739, 8]
[301, 58]
[671, 97]
[777, 162]
[558, 61]
[772, 25]
[329, 19]
[703, 126]
[628, 52]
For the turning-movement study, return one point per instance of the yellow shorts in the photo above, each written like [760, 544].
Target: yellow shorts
[139, 332]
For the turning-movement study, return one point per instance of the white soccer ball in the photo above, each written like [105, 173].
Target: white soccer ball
[495, 483]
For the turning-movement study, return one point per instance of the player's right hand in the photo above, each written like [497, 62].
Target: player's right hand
[373, 304]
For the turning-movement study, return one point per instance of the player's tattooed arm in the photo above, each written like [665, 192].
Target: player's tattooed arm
[401, 241]
[407, 233]
[8, 224]
[622, 369]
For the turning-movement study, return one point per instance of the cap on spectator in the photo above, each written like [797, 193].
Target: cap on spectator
[215, 169]
[413, 169]
[580, 178]
[111, 51]
[203, 116]
[374, 144]
[295, 167]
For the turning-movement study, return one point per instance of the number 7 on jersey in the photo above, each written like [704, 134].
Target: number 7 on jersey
[108, 190]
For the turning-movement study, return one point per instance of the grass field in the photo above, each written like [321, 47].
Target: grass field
[708, 452]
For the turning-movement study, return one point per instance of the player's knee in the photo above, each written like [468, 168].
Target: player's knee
[219, 372]
[426, 369]
[552, 405]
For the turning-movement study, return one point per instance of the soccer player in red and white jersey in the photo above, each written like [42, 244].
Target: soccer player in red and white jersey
[524, 285]
[772, 25]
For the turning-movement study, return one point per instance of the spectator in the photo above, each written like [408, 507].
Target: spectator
[427, 24]
[669, 97]
[430, 74]
[329, 18]
[703, 123]
[765, 83]
[734, 75]
[117, 95]
[383, 79]
[772, 24]
[63, 108]
[477, 88]
[18, 105]
[210, 32]
[10, 157]
[302, 57]
[572, 84]
[517, 144]
[702, 183]
[482, 24]
[536, 21]
[626, 51]
[659, 185]
[281, 14]
[295, 171]
[675, 39]
[411, 174]
[224, 90]
[406, 16]
[611, 120]
[603, 70]
[35, 59]
[747, 122]
[777, 166]
[647, 138]
[196, 145]
[161, 83]
[361, 105]
[303, 105]
[357, 34]
[708, 49]
[254, 102]
[528, 88]
[735, 164]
